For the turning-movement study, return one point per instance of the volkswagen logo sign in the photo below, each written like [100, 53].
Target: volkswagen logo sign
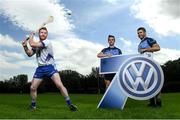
[140, 78]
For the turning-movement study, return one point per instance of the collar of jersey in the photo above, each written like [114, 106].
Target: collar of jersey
[111, 46]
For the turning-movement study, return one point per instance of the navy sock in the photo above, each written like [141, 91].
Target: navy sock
[68, 101]
[33, 103]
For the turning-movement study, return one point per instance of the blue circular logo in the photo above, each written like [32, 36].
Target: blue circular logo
[140, 78]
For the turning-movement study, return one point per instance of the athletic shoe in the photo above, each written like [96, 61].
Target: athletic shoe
[33, 106]
[73, 107]
[158, 103]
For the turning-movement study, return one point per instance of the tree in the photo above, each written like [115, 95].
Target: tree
[171, 71]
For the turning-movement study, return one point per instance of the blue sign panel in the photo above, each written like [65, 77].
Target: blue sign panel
[137, 77]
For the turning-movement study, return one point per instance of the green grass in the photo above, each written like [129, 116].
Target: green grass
[51, 105]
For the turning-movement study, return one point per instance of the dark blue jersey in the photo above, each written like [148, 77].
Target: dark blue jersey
[147, 43]
[112, 50]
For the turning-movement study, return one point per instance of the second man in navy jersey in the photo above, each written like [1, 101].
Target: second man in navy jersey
[109, 52]
[146, 47]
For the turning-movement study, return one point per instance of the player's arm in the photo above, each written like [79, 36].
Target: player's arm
[154, 48]
[34, 44]
[101, 55]
[27, 51]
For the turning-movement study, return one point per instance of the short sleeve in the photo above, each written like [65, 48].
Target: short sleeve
[103, 50]
[34, 50]
[120, 52]
[151, 41]
[46, 43]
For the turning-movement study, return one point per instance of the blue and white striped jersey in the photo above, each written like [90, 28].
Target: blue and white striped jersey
[147, 43]
[44, 55]
[112, 50]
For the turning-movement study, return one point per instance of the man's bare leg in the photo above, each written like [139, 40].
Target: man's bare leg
[57, 80]
[107, 83]
[33, 91]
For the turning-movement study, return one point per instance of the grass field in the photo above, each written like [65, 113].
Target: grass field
[52, 105]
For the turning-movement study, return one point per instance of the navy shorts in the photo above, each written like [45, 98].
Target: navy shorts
[45, 71]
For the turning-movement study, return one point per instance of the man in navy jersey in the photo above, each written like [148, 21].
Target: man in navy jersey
[46, 66]
[146, 47]
[108, 52]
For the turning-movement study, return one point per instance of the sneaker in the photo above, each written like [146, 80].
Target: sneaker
[33, 106]
[159, 103]
[73, 107]
[152, 102]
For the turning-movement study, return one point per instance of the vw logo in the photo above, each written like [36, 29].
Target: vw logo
[140, 78]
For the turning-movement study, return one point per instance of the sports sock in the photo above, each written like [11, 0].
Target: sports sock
[33, 103]
[68, 101]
